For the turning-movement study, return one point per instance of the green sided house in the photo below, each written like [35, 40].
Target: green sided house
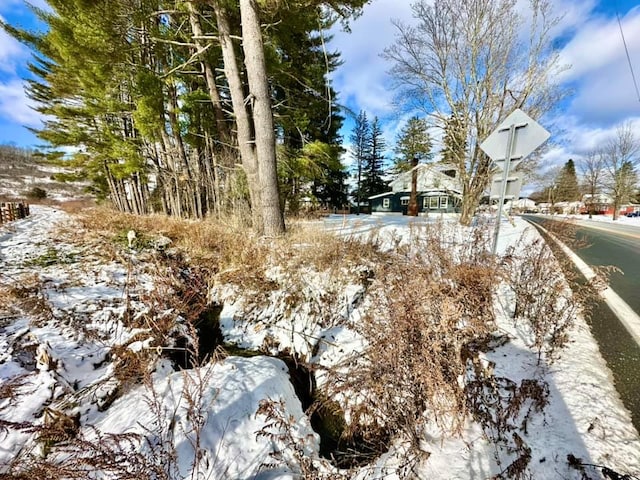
[438, 191]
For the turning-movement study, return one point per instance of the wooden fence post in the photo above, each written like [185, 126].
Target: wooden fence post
[13, 211]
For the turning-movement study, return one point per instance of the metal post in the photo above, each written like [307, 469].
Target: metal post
[503, 190]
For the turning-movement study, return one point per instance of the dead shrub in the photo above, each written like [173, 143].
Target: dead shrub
[57, 427]
[308, 245]
[428, 305]
[10, 391]
[91, 455]
[544, 303]
[289, 451]
[228, 250]
[76, 206]
[565, 231]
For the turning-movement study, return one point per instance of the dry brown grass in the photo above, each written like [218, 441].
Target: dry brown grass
[229, 251]
[24, 295]
[430, 304]
[220, 247]
[430, 313]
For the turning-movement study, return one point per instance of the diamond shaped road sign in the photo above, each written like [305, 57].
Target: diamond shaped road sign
[512, 191]
[529, 135]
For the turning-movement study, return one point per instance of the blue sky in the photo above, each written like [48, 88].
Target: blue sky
[604, 93]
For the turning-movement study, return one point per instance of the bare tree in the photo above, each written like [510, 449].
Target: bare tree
[620, 160]
[548, 183]
[478, 61]
[591, 167]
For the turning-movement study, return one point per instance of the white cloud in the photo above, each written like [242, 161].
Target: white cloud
[15, 106]
[42, 4]
[7, 6]
[362, 81]
[573, 14]
[12, 53]
[605, 89]
[598, 45]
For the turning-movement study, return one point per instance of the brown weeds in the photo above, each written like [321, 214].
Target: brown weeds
[544, 302]
[26, 296]
[428, 305]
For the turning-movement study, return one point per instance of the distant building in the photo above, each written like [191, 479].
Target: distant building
[522, 205]
[438, 191]
[598, 204]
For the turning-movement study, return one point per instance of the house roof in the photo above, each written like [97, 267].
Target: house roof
[381, 195]
[431, 176]
[424, 193]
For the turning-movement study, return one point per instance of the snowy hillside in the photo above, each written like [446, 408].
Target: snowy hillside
[351, 349]
[21, 173]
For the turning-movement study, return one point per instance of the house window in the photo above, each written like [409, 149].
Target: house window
[444, 202]
[433, 203]
[404, 201]
[425, 202]
[385, 203]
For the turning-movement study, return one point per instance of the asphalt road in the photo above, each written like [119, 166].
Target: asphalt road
[611, 244]
[619, 246]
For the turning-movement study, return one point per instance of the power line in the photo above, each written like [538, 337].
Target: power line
[626, 49]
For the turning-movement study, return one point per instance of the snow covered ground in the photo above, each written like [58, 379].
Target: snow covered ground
[622, 219]
[240, 418]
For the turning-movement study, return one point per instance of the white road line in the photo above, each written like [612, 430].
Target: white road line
[627, 316]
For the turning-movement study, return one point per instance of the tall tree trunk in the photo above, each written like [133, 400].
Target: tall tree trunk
[196, 28]
[262, 118]
[113, 190]
[413, 197]
[243, 124]
[213, 177]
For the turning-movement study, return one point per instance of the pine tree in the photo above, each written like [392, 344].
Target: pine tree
[133, 85]
[373, 167]
[360, 151]
[567, 189]
[306, 113]
[413, 146]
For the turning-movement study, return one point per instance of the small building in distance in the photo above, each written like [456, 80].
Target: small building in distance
[438, 191]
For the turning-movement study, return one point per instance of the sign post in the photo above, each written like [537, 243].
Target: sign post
[511, 142]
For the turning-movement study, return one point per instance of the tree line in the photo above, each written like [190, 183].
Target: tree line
[194, 108]
[609, 169]
[201, 107]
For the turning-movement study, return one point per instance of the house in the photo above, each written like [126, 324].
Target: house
[438, 191]
[521, 205]
[599, 204]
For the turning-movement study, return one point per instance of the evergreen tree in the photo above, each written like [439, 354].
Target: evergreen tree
[360, 151]
[133, 86]
[413, 145]
[567, 189]
[373, 167]
[306, 114]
